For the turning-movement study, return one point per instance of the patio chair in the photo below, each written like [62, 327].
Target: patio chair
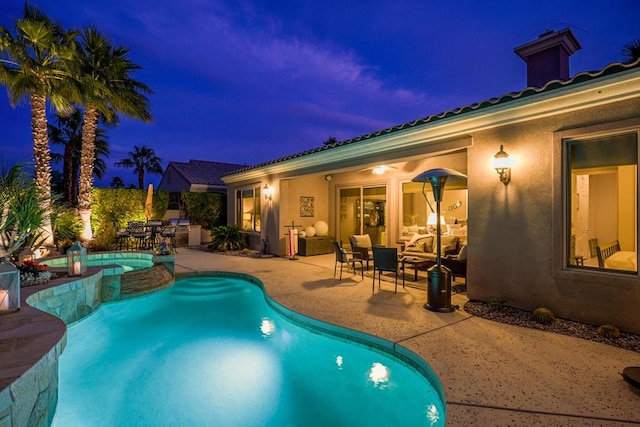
[154, 226]
[169, 232]
[385, 259]
[122, 236]
[361, 244]
[138, 233]
[343, 258]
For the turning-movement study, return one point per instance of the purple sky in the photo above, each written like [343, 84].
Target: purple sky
[247, 81]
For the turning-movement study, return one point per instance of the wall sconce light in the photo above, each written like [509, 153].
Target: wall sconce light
[502, 164]
[268, 192]
[328, 178]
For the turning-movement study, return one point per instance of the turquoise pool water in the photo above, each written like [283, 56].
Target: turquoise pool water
[128, 260]
[212, 352]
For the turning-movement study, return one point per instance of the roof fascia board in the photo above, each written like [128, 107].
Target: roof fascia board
[591, 93]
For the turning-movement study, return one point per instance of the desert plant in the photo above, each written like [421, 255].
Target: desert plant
[227, 238]
[495, 303]
[543, 315]
[22, 211]
[609, 331]
[66, 225]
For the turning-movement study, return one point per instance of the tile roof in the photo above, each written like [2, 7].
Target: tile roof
[205, 172]
[610, 69]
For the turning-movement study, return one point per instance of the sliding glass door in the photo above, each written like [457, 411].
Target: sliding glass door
[363, 211]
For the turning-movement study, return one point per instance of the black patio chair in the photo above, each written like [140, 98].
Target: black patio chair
[385, 259]
[122, 236]
[343, 258]
[168, 232]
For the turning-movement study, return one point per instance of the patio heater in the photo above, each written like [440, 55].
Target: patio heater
[438, 276]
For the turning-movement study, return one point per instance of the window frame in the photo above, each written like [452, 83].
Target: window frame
[561, 219]
[257, 207]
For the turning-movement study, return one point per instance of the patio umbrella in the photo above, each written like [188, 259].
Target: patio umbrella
[148, 206]
[438, 276]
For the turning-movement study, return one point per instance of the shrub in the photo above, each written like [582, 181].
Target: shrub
[495, 303]
[227, 238]
[205, 209]
[543, 315]
[66, 226]
[609, 331]
[122, 205]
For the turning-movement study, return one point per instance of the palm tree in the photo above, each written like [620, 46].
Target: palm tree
[631, 51]
[330, 140]
[34, 67]
[109, 89]
[68, 132]
[142, 159]
[117, 182]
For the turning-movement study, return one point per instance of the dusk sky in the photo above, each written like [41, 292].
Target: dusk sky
[251, 81]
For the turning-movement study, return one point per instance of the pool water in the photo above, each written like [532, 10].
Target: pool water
[212, 352]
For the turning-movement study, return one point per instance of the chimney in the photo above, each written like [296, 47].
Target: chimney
[547, 57]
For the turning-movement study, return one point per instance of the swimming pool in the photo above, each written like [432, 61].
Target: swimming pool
[213, 351]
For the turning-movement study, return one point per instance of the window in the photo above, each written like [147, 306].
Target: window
[602, 202]
[248, 208]
[416, 211]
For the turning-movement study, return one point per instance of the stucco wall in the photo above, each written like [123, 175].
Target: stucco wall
[515, 237]
[289, 206]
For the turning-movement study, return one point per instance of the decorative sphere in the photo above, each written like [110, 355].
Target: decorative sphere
[322, 228]
[310, 231]
[302, 233]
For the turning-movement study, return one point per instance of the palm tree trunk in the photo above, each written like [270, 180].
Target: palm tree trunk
[141, 178]
[67, 174]
[87, 157]
[42, 160]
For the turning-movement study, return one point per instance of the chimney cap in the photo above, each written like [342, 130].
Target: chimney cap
[549, 39]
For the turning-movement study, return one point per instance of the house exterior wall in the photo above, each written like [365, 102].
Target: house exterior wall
[291, 191]
[172, 181]
[517, 239]
[516, 244]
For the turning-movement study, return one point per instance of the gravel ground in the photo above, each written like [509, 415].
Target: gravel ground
[514, 316]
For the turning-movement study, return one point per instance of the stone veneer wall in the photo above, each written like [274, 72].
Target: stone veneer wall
[31, 400]
[72, 301]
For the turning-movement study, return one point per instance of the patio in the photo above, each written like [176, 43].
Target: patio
[493, 374]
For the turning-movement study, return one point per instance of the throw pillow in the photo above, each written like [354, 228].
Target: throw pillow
[447, 243]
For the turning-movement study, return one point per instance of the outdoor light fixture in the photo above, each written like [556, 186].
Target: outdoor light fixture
[9, 287]
[438, 276]
[502, 164]
[268, 192]
[76, 260]
[379, 170]
[328, 178]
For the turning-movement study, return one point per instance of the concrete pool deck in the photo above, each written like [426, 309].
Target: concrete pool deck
[493, 374]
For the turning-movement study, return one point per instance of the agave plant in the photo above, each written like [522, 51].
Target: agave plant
[227, 238]
[22, 212]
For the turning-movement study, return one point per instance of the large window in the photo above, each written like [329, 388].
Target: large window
[248, 208]
[418, 213]
[602, 202]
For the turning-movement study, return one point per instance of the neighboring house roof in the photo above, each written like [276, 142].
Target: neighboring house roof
[204, 172]
[553, 85]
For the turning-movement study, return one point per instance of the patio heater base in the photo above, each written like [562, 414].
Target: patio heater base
[439, 290]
